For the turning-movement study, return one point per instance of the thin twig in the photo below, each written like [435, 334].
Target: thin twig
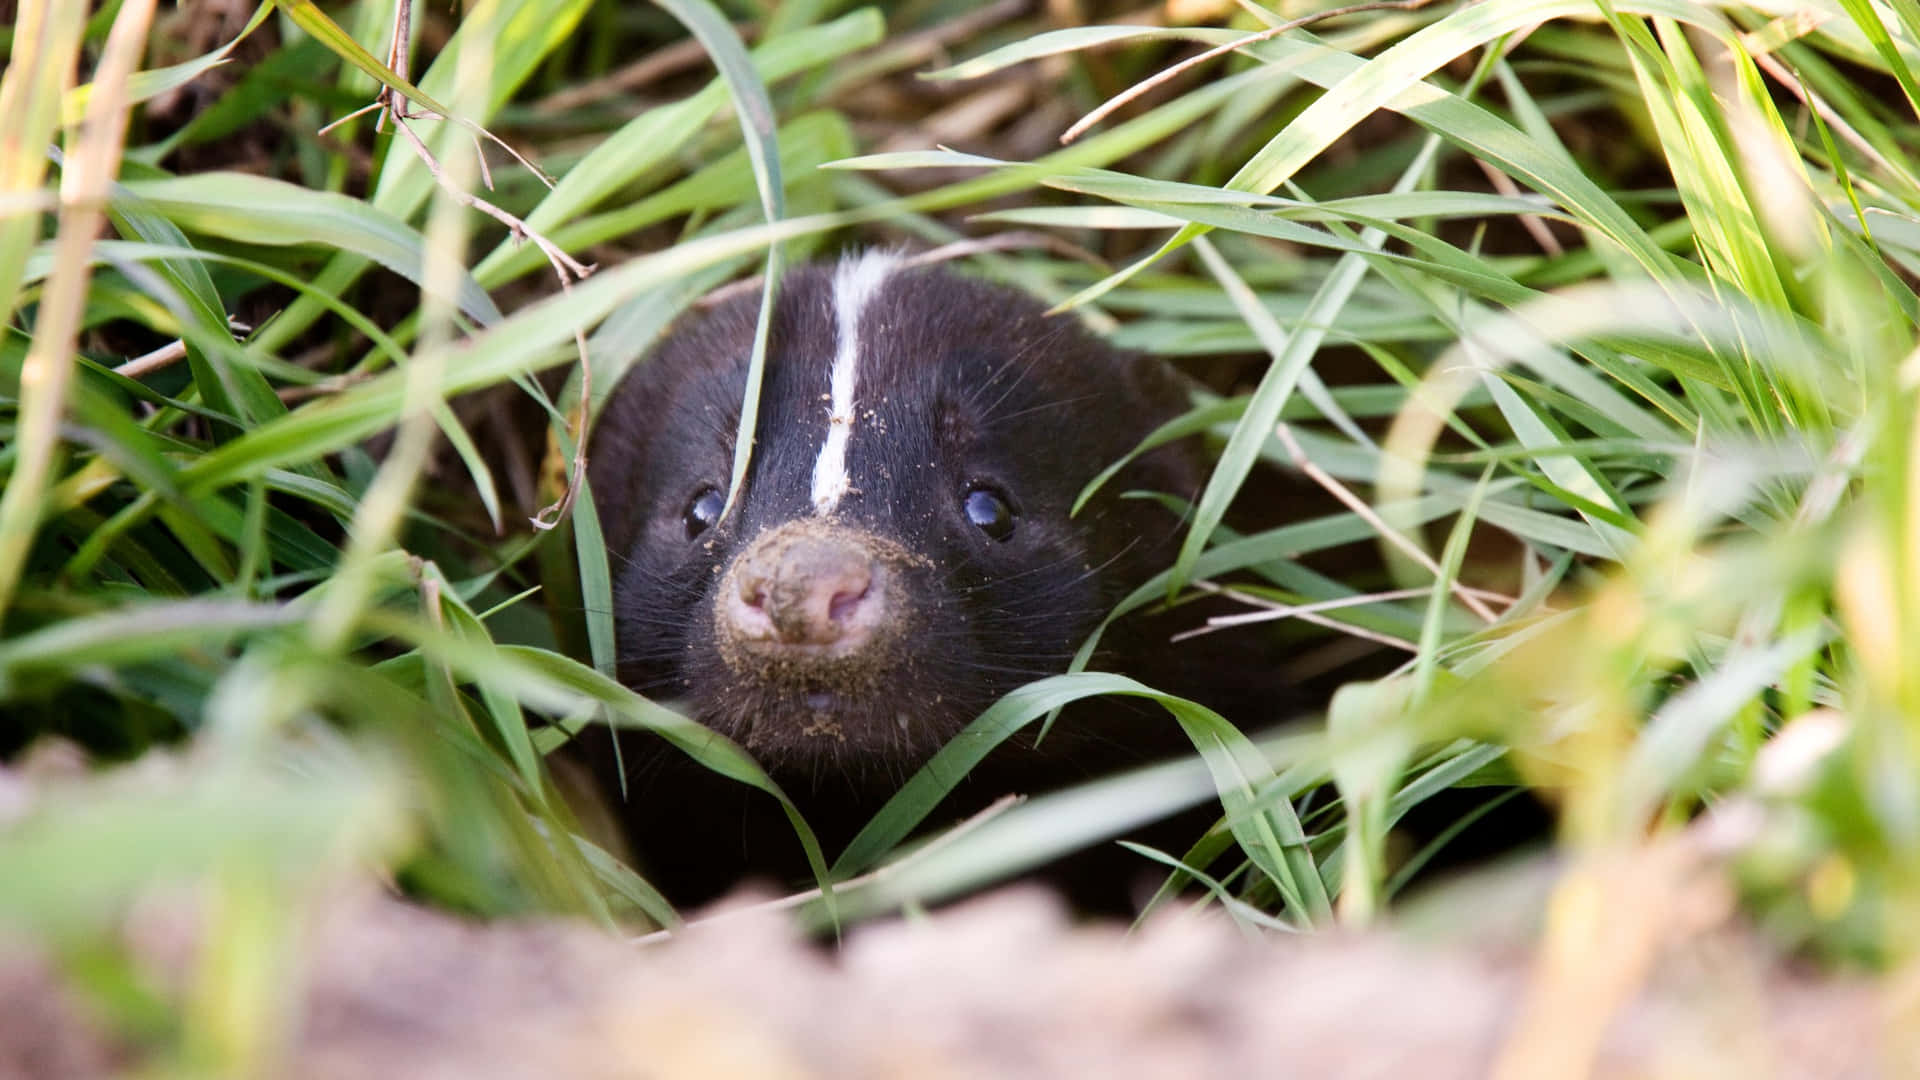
[569, 268]
[352, 116]
[1163, 77]
[330, 385]
[171, 353]
[1270, 610]
[480, 155]
[1790, 82]
[519, 158]
[398, 57]
[147, 363]
[1366, 513]
[1305, 613]
[394, 105]
[550, 515]
[1360, 632]
[1535, 225]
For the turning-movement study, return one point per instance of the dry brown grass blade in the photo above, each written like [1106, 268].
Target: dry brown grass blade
[1385, 531]
[46, 39]
[84, 184]
[1535, 225]
[1268, 611]
[1305, 613]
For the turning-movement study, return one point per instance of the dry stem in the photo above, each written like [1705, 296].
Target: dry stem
[47, 370]
[1305, 613]
[1269, 610]
[392, 104]
[1366, 513]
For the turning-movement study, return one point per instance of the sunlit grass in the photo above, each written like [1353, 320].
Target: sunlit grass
[1602, 315]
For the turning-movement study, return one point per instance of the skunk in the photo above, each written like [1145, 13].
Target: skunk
[902, 552]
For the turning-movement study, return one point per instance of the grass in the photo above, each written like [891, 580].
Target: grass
[1601, 316]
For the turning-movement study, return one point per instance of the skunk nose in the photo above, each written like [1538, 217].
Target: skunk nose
[804, 589]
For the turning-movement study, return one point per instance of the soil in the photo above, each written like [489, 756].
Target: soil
[1003, 987]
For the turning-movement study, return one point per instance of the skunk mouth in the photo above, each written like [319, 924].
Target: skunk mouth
[799, 730]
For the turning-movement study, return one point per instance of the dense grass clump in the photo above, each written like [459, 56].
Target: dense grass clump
[1593, 323]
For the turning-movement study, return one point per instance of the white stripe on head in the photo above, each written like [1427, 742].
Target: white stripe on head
[855, 282]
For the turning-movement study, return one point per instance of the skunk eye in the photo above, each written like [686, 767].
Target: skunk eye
[703, 511]
[989, 512]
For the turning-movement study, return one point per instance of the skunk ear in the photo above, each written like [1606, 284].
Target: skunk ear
[1150, 393]
[1137, 537]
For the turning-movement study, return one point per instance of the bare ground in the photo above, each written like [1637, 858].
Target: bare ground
[1002, 987]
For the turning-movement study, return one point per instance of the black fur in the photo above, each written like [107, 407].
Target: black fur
[962, 384]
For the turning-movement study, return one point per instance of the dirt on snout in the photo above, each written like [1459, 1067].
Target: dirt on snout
[788, 557]
[1005, 987]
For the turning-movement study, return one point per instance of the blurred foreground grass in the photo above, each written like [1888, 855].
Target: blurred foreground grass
[1604, 310]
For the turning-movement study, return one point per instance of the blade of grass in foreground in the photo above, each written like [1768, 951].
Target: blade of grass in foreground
[978, 853]
[46, 40]
[1272, 836]
[1291, 353]
[757, 126]
[525, 342]
[49, 363]
[517, 37]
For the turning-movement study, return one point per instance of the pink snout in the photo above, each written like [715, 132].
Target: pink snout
[804, 590]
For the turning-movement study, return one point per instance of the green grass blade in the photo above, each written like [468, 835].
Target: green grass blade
[260, 210]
